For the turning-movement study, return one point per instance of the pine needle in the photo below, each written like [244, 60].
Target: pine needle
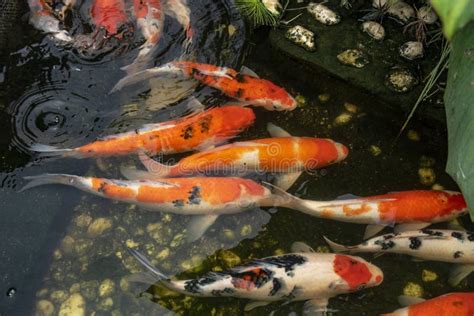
[431, 80]
[256, 12]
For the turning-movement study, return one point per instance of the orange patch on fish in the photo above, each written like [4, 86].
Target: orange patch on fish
[349, 211]
[112, 190]
[215, 126]
[419, 205]
[327, 213]
[354, 272]
[454, 304]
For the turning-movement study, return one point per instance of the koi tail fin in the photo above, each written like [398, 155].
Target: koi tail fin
[282, 198]
[335, 247]
[148, 265]
[46, 151]
[44, 179]
[140, 76]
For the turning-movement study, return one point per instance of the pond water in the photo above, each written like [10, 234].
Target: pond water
[57, 241]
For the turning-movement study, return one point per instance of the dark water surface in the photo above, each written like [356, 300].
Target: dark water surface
[48, 249]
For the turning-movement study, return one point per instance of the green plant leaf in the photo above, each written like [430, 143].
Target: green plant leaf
[459, 101]
[454, 14]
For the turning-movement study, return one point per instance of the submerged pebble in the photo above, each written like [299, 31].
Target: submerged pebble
[413, 289]
[375, 150]
[374, 30]
[325, 97]
[413, 135]
[245, 230]
[74, 305]
[228, 258]
[437, 187]
[427, 162]
[412, 50]
[401, 11]
[352, 108]
[106, 288]
[58, 296]
[401, 80]
[302, 37]
[99, 226]
[427, 14]
[323, 14]
[106, 304]
[428, 276]
[427, 176]
[44, 308]
[353, 57]
[343, 118]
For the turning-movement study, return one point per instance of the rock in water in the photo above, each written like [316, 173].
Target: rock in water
[301, 37]
[74, 305]
[353, 57]
[323, 14]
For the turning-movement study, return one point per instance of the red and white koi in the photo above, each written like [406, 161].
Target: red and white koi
[245, 86]
[411, 210]
[288, 156]
[452, 304]
[299, 276]
[195, 131]
[43, 19]
[427, 244]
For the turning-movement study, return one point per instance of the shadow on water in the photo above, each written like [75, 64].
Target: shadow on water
[50, 249]
[59, 96]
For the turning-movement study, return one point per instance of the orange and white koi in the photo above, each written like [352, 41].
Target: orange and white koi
[42, 18]
[410, 209]
[297, 276]
[288, 156]
[452, 304]
[195, 131]
[427, 244]
[204, 197]
[150, 19]
[245, 87]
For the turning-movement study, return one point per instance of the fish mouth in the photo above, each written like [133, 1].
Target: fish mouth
[342, 151]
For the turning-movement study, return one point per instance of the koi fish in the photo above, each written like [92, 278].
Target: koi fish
[207, 128]
[42, 18]
[245, 86]
[150, 19]
[428, 244]
[411, 210]
[179, 10]
[298, 276]
[452, 304]
[288, 156]
[109, 15]
[205, 197]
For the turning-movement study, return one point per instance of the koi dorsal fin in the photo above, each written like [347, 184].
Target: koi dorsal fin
[299, 246]
[249, 72]
[276, 131]
[405, 300]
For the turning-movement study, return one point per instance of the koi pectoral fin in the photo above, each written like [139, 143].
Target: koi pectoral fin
[255, 304]
[372, 230]
[286, 180]
[405, 300]
[405, 227]
[316, 307]
[276, 131]
[199, 225]
[299, 246]
[459, 273]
